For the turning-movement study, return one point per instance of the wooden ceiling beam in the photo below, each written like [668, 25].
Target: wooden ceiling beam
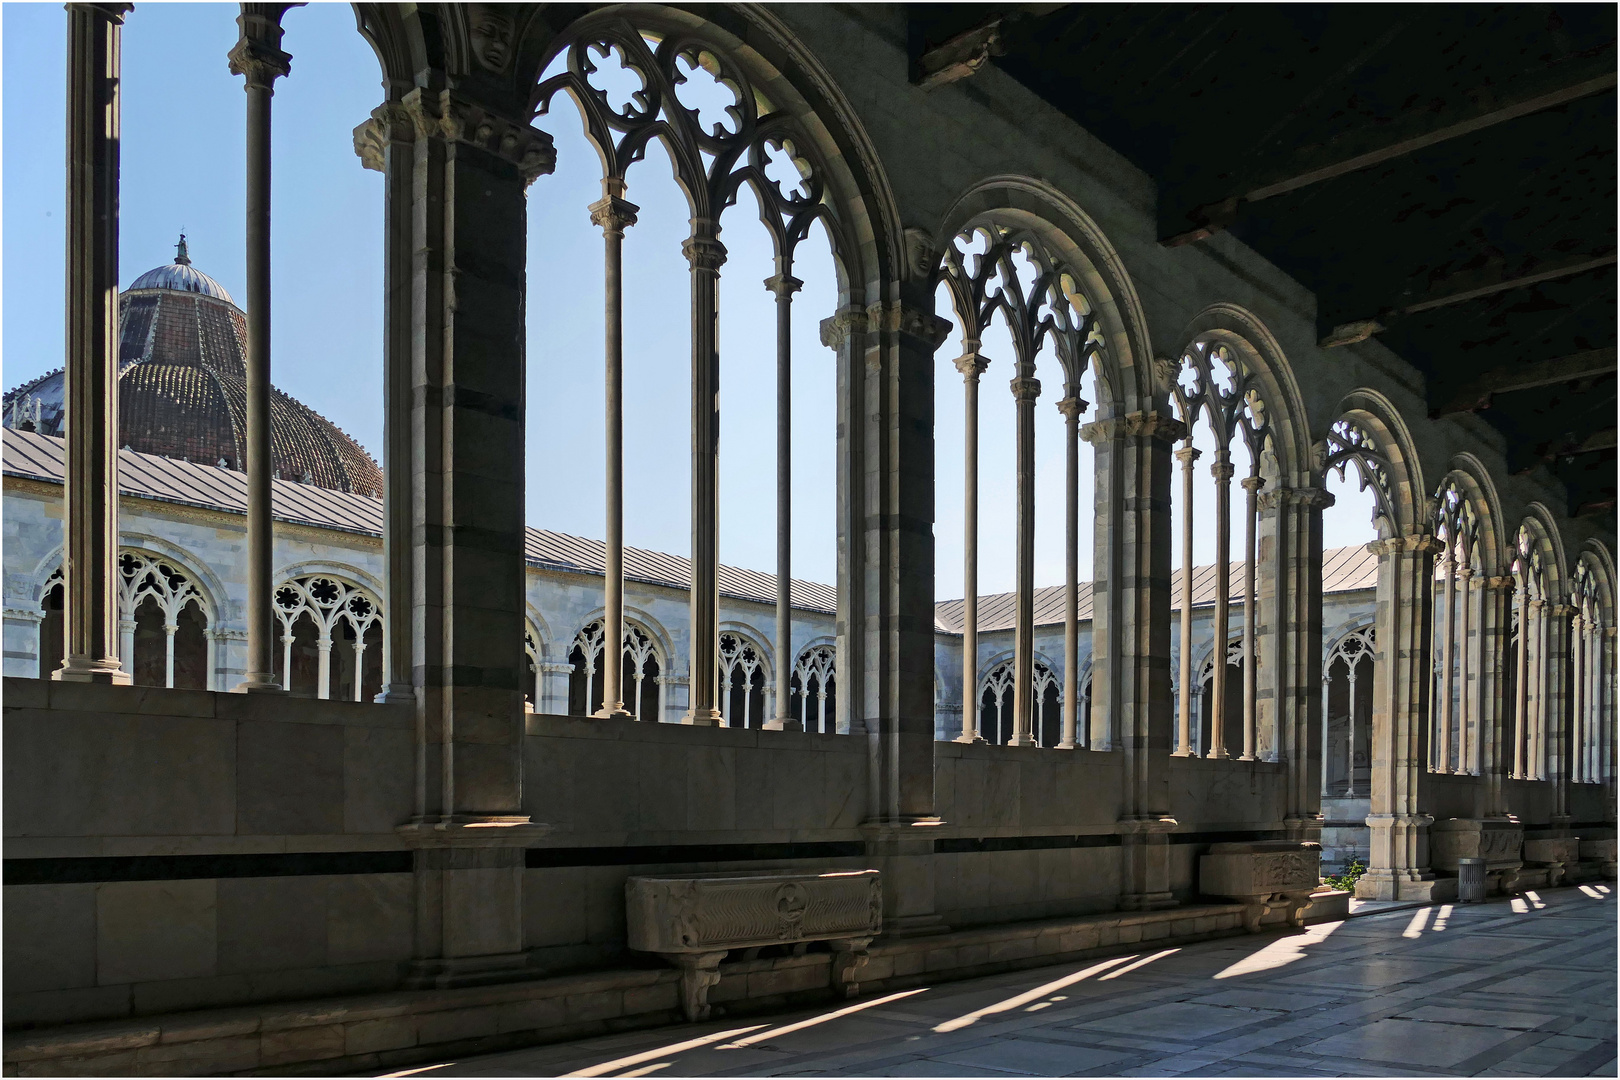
[1415, 129]
[1460, 289]
[965, 54]
[1477, 391]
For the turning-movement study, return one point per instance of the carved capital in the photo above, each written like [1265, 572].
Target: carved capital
[1562, 611]
[1499, 583]
[1025, 389]
[900, 317]
[613, 215]
[782, 286]
[1187, 455]
[454, 119]
[1134, 426]
[390, 123]
[1253, 483]
[1221, 470]
[1308, 497]
[703, 250]
[837, 329]
[1420, 543]
[260, 61]
[972, 364]
[1072, 406]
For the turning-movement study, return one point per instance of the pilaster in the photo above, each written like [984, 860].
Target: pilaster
[1495, 702]
[1131, 707]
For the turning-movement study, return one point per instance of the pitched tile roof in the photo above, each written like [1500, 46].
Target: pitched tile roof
[146, 476]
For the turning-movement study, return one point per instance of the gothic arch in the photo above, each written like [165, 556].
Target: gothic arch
[1601, 564]
[1123, 366]
[663, 647]
[1554, 557]
[541, 630]
[215, 597]
[1254, 345]
[327, 568]
[1474, 482]
[1388, 460]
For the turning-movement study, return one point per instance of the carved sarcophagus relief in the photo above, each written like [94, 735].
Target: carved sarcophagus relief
[693, 920]
[1265, 874]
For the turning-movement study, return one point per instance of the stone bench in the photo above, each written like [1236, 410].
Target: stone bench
[1264, 875]
[693, 920]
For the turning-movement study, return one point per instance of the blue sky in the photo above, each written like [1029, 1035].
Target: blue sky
[183, 168]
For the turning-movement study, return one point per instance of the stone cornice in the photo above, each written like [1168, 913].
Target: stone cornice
[837, 328]
[1135, 425]
[1422, 543]
[450, 117]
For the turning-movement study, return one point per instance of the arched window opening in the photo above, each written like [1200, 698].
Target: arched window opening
[651, 92]
[1216, 386]
[331, 639]
[815, 689]
[996, 696]
[1008, 291]
[164, 640]
[52, 625]
[742, 683]
[640, 688]
[1347, 705]
[1454, 728]
[1532, 618]
[1591, 677]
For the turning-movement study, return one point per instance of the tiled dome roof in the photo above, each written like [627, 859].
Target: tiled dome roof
[182, 388]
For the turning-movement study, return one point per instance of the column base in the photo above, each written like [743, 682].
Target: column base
[397, 694]
[969, 740]
[1067, 745]
[1182, 753]
[258, 682]
[616, 712]
[1218, 754]
[784, 723]
[711, 718]
[443, 974]
[1022, 740]
[1420, 885]
[78, 669]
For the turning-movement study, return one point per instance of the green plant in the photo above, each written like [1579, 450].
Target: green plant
[1346, 880]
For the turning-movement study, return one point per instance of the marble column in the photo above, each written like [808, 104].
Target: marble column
[783, 285]
[845, 333]
[1251, 656]
[1221, 470]
[1467, 737]
[1521, 684]
[1403, 681]
[1071, 407]
[1187, 455]
[971, 364]
[705, 254]
[612, 214]
[1556, 732]
[90, 488]
[258, 56]
[1445, 649]
[1025, 389]
[1535, 742]
[385, 143]
[1131, 641]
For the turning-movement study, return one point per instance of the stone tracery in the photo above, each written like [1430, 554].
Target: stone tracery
[327, 627]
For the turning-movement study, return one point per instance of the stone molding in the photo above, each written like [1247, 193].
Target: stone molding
[450, 117]
[1135, 425]
[838, 328]
[1310, 497]
[972, 364]
[899, 317]
[390, 123]
[1418, 543]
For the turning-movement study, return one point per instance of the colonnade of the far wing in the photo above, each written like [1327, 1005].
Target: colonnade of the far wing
[456, 164]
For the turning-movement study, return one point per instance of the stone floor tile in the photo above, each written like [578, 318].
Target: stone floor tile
[922, 1067]
[1032, 1058]
[1376, 972]
[1522, 1021]
[1181, 1019]
[1281, 1000]
[1410, 1042]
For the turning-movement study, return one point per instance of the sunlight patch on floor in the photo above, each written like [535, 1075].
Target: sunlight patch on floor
[1029, 996]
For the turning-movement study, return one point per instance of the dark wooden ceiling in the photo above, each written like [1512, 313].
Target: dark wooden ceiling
[1441, 176]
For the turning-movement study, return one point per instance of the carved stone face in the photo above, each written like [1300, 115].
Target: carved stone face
[490, 33]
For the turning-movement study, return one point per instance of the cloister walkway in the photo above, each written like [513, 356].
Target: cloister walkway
[1516, 987]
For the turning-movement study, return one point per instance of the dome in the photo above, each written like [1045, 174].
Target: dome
[182, 388]
[181, 276]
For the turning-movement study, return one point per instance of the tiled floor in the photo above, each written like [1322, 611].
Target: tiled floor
[1512, 988]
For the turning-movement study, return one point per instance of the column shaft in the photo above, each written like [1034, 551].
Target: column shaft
[1467, 739]
[1446, 649]
[706, 255]
[1184, 711]
[1327, 686]
[258, 56]
[1071, 407]
[784, 285]
[1025, 390]
[613, 215]
[1222, 471]
[1521, 687]
[1251, 488]
[971, 365]
[90, 490]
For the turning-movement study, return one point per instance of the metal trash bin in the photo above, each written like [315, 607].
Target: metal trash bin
[1470, 881]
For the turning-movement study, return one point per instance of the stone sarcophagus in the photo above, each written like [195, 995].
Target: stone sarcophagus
[1499, 841]
[1557, 854]
[1601, 854]
[693, 920]
[1266, 875]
